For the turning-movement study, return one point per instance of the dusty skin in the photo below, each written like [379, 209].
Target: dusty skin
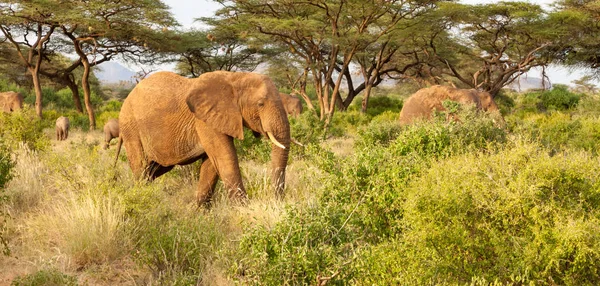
[170, 120]
[11, 101]
[292, 104]
[62, 128]
[421, 104]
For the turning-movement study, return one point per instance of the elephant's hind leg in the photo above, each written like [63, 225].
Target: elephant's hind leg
[155, 170]
[135, 156]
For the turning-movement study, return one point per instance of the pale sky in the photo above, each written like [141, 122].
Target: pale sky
[185, 11]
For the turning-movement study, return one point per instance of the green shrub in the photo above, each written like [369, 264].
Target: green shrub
[559, 98]
[518, 213]
[48, 277]
[23, 126]
[560, 131]
[111, 105]
[378, 132]
[438, 138]
[377, 105]
[6, 165]
[361, 203]
[6, 173]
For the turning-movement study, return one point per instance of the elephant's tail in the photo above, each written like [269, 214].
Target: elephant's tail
[119, 143]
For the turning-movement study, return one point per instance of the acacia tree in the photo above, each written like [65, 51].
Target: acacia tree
[100, 30]
[583, 44]
[488, 46]
[219, 48]
[326, 36]
[28, 26]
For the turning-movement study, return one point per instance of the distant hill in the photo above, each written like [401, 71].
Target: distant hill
[113, 72]
[529, 83]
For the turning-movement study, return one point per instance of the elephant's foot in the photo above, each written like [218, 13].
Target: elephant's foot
[238, 196]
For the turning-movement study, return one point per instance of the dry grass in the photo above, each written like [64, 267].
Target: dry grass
[70, 210]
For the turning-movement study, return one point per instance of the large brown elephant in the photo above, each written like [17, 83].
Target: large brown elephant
[421, 104]
[170, 120]
[11, 101]
[62, 128]
[111, 130]
[292, 104]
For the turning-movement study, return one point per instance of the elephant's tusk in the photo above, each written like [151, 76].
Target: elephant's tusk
[296, 142]
[272, 138]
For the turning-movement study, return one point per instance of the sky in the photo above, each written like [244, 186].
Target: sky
[185, 11]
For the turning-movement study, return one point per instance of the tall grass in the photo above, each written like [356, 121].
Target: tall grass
[85, 228]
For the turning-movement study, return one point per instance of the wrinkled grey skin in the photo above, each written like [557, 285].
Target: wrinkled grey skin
[11, 101]
[62, 128]
[170, 120]
[292, 104]
[111, 130]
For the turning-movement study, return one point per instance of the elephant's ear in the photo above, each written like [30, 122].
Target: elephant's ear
[216, 106]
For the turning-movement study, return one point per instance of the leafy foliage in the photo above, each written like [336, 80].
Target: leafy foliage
[23, 127]
[45, 277]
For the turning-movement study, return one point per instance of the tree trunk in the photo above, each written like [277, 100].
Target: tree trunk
[87, 93]
[365, 101]
[75, 92]
[37, 87]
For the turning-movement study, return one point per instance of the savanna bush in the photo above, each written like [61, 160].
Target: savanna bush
[560, 131]
[378, 105]
[515, 216]
[6, 165]
[6, 173]
[559, 98]
[45, 277]
[361, 204]
[438, 138]
[23, 126]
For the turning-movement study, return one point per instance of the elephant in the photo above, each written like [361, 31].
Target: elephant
[421, 104]
[62, 128]
[11, 101]
[292, 104]
[111, 130]
[170, 120]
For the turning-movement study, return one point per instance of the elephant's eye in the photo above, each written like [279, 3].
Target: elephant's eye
[261, 103]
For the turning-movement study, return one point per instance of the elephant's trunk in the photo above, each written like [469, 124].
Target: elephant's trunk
[279, 158]
[280, 138]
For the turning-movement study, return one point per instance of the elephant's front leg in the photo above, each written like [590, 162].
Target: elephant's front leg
[207, 182]
[222, 154]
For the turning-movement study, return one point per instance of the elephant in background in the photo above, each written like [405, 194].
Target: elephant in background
[170, 120]
[11, 101]
[292, 104]
[62, 128]
[422, 103]
[111, 130]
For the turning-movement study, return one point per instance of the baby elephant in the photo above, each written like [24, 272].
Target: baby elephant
[62, 128]
[111, 130]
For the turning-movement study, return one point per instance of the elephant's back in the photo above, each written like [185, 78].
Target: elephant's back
[62, 122]
[156, 114]
[422, 103]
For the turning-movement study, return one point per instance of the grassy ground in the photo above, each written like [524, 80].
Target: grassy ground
[375, 203]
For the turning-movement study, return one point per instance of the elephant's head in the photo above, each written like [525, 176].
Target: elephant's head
[292, 104]
[487, 102]
[489, 105]
[227, 101]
